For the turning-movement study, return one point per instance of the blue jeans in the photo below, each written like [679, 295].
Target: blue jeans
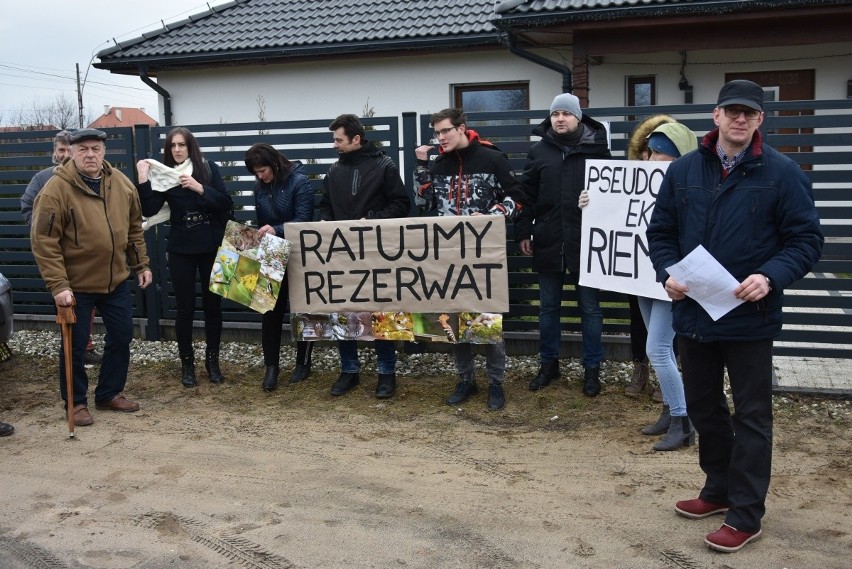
[591, 319]
[117, 314]
[495, 361]
[385, 356]
[657, 315]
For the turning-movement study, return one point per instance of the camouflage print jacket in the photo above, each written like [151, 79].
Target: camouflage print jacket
[474, 179]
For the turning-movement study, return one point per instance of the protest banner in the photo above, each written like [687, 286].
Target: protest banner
[249, 268]
[613, 247]
[405, 265]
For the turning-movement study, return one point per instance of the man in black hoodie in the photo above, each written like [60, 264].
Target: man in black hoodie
[363, 184]
[549, 230]
[469, 177]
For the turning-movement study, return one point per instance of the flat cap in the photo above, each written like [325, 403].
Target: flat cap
[87, 134]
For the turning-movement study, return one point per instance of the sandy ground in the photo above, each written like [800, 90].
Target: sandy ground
[228, 476]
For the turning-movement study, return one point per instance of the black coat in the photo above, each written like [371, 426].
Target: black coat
[197, 221]
[553, 178]
[364, 183]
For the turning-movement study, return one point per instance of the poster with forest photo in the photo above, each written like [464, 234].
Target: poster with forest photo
[249, 268]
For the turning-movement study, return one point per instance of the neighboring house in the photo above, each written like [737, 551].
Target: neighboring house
[122, 116]
[298, 59]
[628, 52]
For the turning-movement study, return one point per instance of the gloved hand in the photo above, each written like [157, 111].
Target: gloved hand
[584, 199]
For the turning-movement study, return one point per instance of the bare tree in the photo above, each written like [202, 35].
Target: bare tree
[61, 113]
[261, 113]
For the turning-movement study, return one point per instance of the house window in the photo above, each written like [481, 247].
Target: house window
[477, 98]
[641, 91]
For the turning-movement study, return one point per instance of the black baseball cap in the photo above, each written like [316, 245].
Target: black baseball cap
[741, 92]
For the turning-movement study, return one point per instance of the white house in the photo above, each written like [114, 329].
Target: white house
[297, 59]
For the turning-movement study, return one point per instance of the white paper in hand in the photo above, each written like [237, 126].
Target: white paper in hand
[710, 284]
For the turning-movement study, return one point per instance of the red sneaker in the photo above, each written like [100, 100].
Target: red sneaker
[698, 508]
[730, 539]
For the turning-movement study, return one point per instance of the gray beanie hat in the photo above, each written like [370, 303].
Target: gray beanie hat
[567, 102]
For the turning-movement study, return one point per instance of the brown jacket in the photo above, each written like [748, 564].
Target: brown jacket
[83, 241]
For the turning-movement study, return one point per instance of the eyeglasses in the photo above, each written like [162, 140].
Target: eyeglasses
[444, 131]
[735, 112]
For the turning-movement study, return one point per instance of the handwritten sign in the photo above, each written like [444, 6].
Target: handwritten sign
[414, 264]
[614, 249]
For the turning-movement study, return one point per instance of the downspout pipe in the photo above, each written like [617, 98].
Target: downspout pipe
[167, 98]
[567, 76]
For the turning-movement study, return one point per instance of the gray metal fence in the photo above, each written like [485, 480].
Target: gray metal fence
[816, 134]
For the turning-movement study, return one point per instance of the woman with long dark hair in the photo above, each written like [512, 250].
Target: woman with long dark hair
[200, 206]
[283, 193]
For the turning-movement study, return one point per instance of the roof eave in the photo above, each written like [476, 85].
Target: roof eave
[539, 19]
[159, 62]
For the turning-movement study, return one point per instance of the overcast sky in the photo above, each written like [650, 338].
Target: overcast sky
[42, 40]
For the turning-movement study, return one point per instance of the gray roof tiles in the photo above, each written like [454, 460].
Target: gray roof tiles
[291, 24]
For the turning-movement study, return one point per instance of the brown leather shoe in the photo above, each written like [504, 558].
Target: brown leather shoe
[118, 403]
[82, 417]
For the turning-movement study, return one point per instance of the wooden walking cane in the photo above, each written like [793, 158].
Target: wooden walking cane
[65, 317]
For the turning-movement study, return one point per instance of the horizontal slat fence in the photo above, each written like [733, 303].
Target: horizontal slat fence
[816, 134]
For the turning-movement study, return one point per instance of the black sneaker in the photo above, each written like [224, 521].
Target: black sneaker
[464, 390]
[344, 383]
[496, 397]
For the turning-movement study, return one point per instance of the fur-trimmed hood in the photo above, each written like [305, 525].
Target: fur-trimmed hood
[639, 139]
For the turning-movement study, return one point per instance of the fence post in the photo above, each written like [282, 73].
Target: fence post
[150, 296]
[409, 143]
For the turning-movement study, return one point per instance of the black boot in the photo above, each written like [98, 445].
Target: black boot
[187, 370]
[386, 386]
[464, 390]
[270, 378]
[662, 424]
[344, 383]
[680, 434]
[592, 381]
[496, 397]
[303, 362]
[211, 362]
[546, 373]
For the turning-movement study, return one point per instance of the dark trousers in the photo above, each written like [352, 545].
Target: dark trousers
[638, 332]
[735, 451]
[270, 328]
[117, 315]
[186, 271]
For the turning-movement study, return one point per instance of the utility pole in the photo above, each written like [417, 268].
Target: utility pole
[79, 95]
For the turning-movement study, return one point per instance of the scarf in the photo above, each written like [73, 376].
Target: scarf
[162, 179]
[569, 139]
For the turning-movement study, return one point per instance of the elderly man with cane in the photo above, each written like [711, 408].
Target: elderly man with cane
[86, 236]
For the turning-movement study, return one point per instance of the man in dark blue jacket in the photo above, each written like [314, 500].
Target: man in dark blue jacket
[752, 208]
